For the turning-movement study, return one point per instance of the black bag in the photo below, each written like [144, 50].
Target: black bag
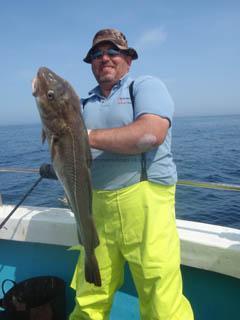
[40, 298]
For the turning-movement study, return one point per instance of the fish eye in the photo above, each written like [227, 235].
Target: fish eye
[50, 95]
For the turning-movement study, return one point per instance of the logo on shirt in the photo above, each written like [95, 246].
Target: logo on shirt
[123, 100]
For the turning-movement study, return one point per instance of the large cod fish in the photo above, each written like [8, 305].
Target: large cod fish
[64, 129]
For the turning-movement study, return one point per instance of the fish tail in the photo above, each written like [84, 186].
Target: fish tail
[92, 273]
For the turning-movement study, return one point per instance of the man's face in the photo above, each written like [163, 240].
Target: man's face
[110, 69]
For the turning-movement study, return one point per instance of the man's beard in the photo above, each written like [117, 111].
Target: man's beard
[106, 78]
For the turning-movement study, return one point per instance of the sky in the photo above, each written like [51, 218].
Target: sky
[192, 46]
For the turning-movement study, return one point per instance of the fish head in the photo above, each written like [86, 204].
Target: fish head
[57, 101]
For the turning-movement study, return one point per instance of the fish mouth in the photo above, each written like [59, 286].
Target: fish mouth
[34, 87]
[36, 81]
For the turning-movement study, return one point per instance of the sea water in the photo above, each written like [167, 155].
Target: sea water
[204, 149]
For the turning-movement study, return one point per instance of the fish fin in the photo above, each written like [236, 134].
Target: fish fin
[79, 237]
[43, 136]
[53, 146]
[78, 231]
[67, 200]
[88, 184]
[92, 273]
[89, 158]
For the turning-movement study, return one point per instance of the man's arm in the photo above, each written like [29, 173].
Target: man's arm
[145, 133]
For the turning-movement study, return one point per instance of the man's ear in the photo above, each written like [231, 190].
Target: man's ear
[128, 60]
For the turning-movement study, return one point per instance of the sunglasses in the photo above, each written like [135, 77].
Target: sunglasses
[110, 52]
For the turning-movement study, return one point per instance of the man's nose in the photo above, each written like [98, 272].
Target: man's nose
[105, 57]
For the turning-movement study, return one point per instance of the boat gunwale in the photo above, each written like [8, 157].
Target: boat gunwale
[205, 246]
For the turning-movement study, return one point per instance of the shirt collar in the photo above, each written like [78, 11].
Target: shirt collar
[96, 90]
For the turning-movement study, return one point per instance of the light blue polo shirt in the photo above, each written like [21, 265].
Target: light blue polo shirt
[111, 170]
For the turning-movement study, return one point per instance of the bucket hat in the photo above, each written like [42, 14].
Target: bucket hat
[114, 36]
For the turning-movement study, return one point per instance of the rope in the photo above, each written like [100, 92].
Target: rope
[20, 202]
[187, 183]
[18, 170]
[209, 185]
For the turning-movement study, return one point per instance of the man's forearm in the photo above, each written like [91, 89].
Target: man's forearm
[140, 136]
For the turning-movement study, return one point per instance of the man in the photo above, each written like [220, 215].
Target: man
[134, 181]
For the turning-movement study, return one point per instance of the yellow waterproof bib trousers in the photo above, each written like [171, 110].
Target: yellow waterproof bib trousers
[135, 224]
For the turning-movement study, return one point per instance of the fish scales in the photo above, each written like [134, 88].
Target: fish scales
[64, 129]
